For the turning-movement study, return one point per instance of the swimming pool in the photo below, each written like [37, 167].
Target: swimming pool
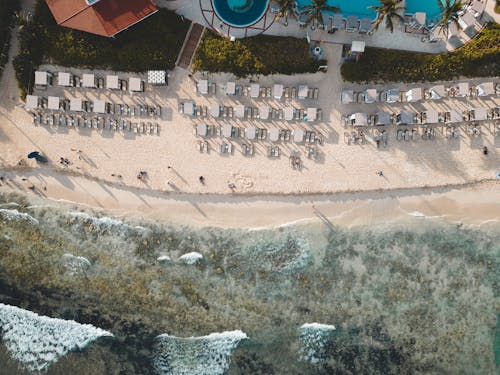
[240, 13]
[360, 7]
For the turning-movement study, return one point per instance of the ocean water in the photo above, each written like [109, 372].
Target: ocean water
[420, 297]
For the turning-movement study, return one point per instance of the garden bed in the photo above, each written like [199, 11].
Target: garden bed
[260, 54]
[479, 58]
[8, 10]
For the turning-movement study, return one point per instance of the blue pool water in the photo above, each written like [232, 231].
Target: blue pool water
[429, 7]
[240, 13]
[350, 7]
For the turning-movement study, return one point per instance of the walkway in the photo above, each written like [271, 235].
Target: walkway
[192, 39]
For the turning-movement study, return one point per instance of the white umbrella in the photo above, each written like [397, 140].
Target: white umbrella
[288, 113]
[135, 84]
[414, 95]
[64, 79]
[41, 78]
[75, 104]
[230, 88]
[215, 109]
[88, 80]
[298, 135]
[431, 116]
[227, 130]
[31, 101]
[53, 102]
[359, 119]
[277, 91]
[382, 118]
[274, 134]
[99, 106]
[201, 129]
[239, 111]
[437, 92]
[264, 112]
[456, 116]
[302, 92]
[370, 96]
[112, 82]
[254, 90]
[203, 86]
[311, 114]
[188, 108]
[480, 114]
[347, 96]
[393, 96]
[250, 132]
[485, 89]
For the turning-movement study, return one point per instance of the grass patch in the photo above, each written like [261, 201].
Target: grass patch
[8, 10]
[260, 54]
[479, 58]
[151, 44]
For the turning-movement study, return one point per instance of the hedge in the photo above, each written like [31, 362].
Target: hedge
[479, 58]
[151, 44]
[260, 54]
[8, 10]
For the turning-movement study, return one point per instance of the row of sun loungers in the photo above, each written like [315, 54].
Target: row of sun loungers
[263, 112]
[101, 123]
[252, 133]
[55, 103]
[248, 149]
[406, 117]
[43, 79]
[460, 90]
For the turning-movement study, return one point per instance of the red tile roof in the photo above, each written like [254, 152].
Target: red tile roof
[105, 17]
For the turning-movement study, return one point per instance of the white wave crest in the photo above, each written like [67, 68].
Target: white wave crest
[75, 264]
[163, 259]
[205, 355]
[16, 215]
[191, 258]
[314, 337]
[39, 341]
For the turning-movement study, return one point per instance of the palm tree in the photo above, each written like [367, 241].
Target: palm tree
[315, 10]
[388, 10]
[449, 14]
[286, 8]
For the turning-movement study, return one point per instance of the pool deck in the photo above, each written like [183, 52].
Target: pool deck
[382, 38]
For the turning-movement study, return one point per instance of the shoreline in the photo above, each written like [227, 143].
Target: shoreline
[469, 203]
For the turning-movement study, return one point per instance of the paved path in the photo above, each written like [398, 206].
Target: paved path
[192, 39]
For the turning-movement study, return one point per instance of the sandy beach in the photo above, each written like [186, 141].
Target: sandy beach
[474, 204]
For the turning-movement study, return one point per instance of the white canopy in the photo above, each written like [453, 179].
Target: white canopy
[462, 89]
[99, 106]
[215, 109]
[264, 112]
[274, 134]
[370, 96]
[393, 96]
[188, 108]
[311, 114]
[485, 89]
[437, 92]
[382, 118]
[250, 132]
[456, 116]
[201, 129]
[88, 80]
[75, 104]
[31, 101]
[41, 78]
[277, 90]
[64, 79]
[254, 90]
[466, 21]
[298, 135]
[53, 102]
[157, 77]
[359, 119]
[478, 7]
[203, 86]
[239, 110]
[347, 96]
[288, 113]
[431, 116]
[112, 82]
[135, 84]
[405, 118]
[480, 114]
[227, 130]
[414, 95]
[302, 92]
[357, 46]
[230, 88]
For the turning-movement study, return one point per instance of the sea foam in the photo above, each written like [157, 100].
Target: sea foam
[191, 258]
[204, 355]
[16, 215]
[313, 337]
[39, 341]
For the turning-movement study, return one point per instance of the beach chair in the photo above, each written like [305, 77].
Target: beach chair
[293, 92]
[352, 24]
[365, 25]
[310, 93]
[319, 114]
[268, 92]
[287, 92]
[315, 93]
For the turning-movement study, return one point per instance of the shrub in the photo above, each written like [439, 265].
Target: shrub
[479, 58]
[151, 44]
[260, 54]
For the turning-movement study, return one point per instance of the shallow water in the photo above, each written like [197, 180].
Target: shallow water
[416, 298]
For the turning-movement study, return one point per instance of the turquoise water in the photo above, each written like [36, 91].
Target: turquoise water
[429, 7]
[420, 297]
[240, 13]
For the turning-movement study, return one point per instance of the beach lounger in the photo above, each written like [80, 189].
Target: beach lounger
[337, 22]
[365, 25]
[293, 92]
[352, 24]
[287, 92]
[315, 93]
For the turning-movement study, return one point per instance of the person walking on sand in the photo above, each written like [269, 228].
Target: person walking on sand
[380, 173]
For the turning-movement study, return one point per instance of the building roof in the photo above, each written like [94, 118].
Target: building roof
[105, 17]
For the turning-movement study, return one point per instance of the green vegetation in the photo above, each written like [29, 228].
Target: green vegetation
[152, 43]
[479, 58]
[260, 54]
[7, 12]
